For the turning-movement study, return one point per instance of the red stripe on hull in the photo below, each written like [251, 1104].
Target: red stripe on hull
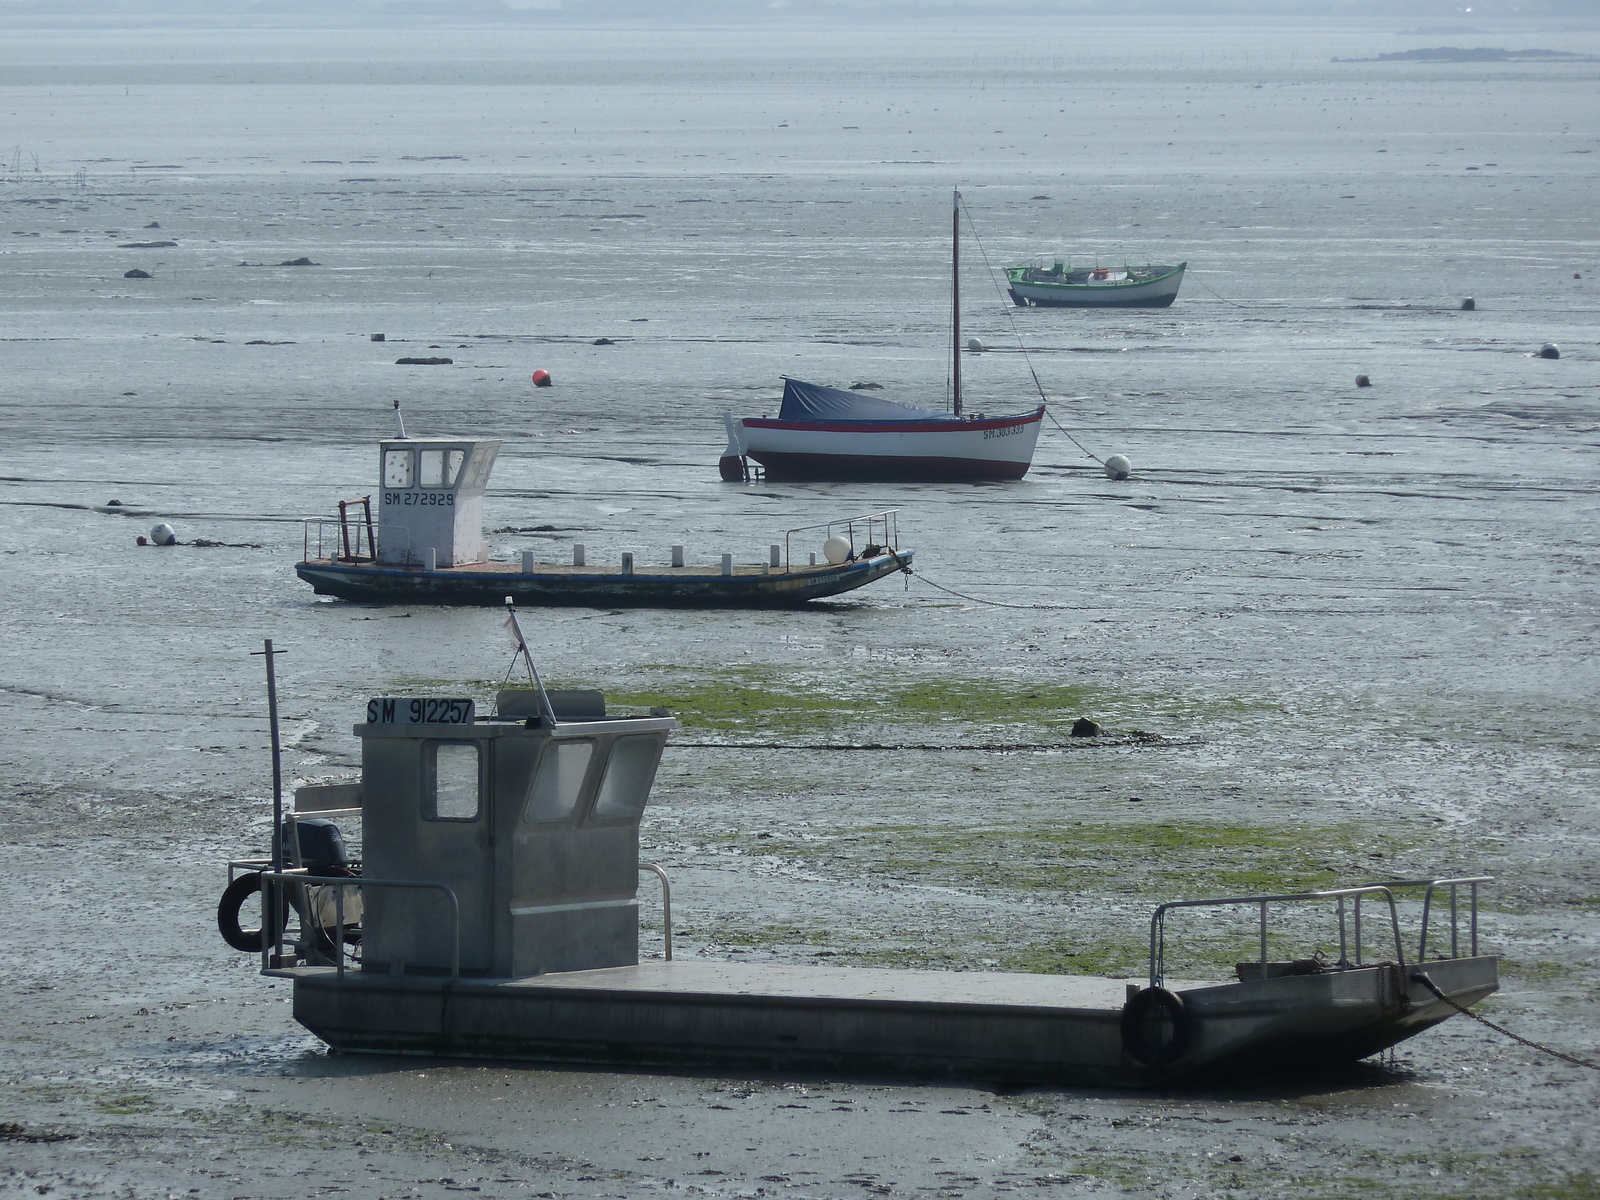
[954, 425]
[874, 468]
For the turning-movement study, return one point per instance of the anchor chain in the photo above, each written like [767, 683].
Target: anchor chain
[1422, 978]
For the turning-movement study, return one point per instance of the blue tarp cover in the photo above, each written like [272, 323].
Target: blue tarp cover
[813, 402]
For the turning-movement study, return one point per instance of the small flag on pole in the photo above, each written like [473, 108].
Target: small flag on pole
[520, 646]
[513, 631]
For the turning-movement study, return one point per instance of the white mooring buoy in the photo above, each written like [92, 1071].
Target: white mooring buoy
[836, 549]
[974, 346]
[1118, 466]
[163, 535]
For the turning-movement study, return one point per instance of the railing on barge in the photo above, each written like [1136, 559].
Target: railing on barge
[1158, 929]
[353, 534]
[870, 527]
[272, 955]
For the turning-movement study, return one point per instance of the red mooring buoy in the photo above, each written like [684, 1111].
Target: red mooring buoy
[541, 378]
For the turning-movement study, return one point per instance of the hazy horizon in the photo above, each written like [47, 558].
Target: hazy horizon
[1446, 17]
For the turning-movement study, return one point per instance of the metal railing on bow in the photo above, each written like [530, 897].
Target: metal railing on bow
[1351, 939]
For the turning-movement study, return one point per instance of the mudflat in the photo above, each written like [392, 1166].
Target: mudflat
[1332, 634]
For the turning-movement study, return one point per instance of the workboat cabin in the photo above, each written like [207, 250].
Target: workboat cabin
[493, 909]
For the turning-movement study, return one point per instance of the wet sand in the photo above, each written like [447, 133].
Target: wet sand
[1360, 624]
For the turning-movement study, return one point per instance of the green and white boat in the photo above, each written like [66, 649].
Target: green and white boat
[1061, 286]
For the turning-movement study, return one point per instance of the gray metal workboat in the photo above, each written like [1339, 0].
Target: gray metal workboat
[493, 911]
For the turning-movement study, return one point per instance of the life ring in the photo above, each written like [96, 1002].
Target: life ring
[1156, 1027]
[250, 941]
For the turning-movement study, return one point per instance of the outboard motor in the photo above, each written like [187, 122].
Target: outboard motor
[319, 841]
[321, 851]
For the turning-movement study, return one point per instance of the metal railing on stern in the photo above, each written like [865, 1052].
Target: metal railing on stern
[1158, 922]
[334, 540]
[352, 536]
[272, 950]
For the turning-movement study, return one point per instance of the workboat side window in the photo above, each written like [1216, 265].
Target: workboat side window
[558, 783]
[397, 469]
[450, 786]
[630, 771]
[440, 468]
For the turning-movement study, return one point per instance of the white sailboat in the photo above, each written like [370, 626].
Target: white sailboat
[825, 433]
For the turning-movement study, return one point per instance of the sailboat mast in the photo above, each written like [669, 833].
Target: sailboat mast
[955, 299]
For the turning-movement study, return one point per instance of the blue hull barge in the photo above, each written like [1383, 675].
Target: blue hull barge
[426, 546]
[602, 587]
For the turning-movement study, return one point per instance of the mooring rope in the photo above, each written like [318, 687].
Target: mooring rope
[1011, 319]
[991, 603]
[1069, 436]
[910, 574]
[1218, 294]
[1422, 978]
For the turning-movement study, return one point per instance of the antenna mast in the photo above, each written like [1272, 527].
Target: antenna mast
[269, 654]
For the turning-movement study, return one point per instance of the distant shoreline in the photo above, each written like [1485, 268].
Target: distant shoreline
[1456, 54]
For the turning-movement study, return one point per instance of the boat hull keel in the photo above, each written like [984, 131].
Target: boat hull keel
[678, 587]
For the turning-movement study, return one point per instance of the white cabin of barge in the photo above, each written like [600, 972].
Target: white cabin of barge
[431, 511]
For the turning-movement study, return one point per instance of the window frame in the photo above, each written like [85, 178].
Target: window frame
[594, 816]
[429, 798]
[585, 787]
[410, 456]
[431, 460]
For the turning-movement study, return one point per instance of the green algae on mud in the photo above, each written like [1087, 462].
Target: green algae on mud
[1583, 1185]
[779, 701]
[126, 1104]
[1085, 876]
[1046, 951]
[1539, 971]
[1109, 858]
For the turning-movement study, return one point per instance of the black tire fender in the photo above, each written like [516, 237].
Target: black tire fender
[1156, 1027]
[238, 893]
